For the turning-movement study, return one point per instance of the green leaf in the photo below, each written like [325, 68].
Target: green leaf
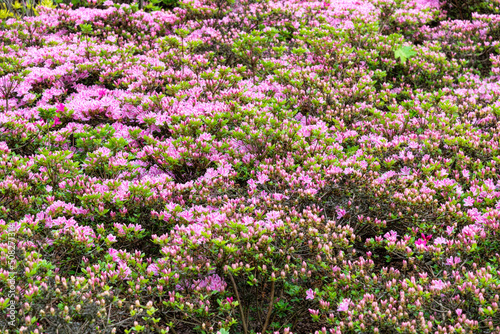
[404, 53]
[86, 28]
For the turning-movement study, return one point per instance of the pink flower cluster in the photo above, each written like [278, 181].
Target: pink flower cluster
[241, 167]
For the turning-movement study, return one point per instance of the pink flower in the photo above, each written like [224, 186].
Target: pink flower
[440, 241]
[111, 238]
[314, 312]
[262, 178]
[124, 271]
[421, 242]
[438, 285]
[405, 171]
[427, 238]
[469, 201]
[60, 107]
[341, 213]
[56, 121]
[114, 254]
[391, 236]
[344, 305]
[453, 261]
[152, 269]
[310, 294]
[186, 215]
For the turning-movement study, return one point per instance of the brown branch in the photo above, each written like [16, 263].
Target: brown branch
[270, 310]
[245, 330]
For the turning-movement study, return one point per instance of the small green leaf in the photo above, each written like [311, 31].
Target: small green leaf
[404, 53]
[86, 28]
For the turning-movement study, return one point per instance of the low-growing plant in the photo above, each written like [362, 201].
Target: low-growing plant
[249, 167]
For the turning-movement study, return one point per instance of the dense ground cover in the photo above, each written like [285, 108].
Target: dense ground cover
[270, 166]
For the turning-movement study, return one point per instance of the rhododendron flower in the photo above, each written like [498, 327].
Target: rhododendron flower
[111, 238]
[124, 270]
[310, 294]
[341, 213]
[449, 229]
[420, 242]
[262, 178]
[469, 201]
[405, 171]
[437, 285]
[344, 305]
[56, 121]
[453, 261]
[391, 236]
[313, 311]
[205, 136]
[152, 269]
[423, 241]
[440, 241]
[114, 254]
[60, 107]
[427, 238]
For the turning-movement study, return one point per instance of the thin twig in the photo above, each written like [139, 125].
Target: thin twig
[245, 330]
[270, 309]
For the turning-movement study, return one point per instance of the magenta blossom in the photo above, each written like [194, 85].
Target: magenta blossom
[426, 238]
[56, 121]
[60, 107]
[420, 242]
[423, 241]
[340, 213]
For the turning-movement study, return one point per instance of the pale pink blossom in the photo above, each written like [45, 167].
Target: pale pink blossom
[344, 305]
[310, 294]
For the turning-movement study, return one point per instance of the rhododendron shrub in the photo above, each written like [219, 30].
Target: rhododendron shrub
[463, 10]
[250, 167]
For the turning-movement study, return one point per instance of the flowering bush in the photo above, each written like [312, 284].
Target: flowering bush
[250, 167]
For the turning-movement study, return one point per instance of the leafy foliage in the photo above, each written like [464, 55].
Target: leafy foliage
[249, 166]
[404, 53]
